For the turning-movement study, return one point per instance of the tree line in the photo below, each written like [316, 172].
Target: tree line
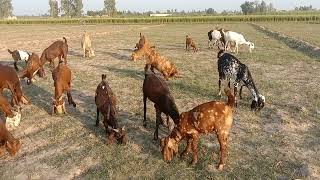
[74, 8]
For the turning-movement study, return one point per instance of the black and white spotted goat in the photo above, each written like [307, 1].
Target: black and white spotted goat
[230, 68]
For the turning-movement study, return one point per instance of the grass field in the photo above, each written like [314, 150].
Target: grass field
[282, 141]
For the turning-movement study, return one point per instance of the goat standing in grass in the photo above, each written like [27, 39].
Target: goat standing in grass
[229, 67]
[214, 116]
[190, 43]
[106, 101]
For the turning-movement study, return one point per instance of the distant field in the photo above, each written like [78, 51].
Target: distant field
[282, 141]
[303, 31]
[184, 19]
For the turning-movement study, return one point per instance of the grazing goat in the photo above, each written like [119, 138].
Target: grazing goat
[229, 67]
[7, 141]
[238, 39]
[34, 67]
[10, 80]
[156, 90]
[87, 46]
[57, 49]
[61, 76]
[190, 43]
[106, 104]
[12, 118]
[215, 38]
[18, 55]
[208, 117]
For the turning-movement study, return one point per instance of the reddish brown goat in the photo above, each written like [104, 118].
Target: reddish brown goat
[203, 119]
[156, 90]
[34, 67]
[106, 104]
[61, 76]
[57, 49]
[5, 106]
[7, 141]
[10, 80]
[191, 43]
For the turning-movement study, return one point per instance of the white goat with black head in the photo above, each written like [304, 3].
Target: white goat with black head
[230, 67]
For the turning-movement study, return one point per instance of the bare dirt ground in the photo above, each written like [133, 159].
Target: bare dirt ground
[282, 141]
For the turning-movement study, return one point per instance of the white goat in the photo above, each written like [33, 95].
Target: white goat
[214, 38]
[238, 39]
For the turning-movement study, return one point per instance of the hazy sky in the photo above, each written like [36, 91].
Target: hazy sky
[36, 7]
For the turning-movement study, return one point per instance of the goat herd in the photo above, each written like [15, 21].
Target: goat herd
[214, 116]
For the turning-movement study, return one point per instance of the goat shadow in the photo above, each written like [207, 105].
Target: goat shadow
[117, 56]
[76, 54]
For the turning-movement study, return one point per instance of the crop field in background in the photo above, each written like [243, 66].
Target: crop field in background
[281, 141]
[314, 17]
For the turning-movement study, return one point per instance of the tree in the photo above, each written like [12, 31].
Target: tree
[263, 7]
[248, 7]
[54, 9]
[110, 7]
[72, 8]
[5, 8]
[78, 5]
[210, 11]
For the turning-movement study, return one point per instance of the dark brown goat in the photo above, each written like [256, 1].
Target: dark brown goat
[106, 104]
[61, 76]
[34, 67]
[214, 116]
[156, 90]
[57, 49]
[7, 141]
[10, 80]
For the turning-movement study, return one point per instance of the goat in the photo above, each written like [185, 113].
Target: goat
[190, 43]
[214, 116]
[10, 80]
[238, 39]
[57, 49]
[106, 102]
[61, 76]
[156, 90]
[18, 55]
[34, 67]
[231, 68]
[215, 38]
[87, 46]
[12, 117]
[7, 141]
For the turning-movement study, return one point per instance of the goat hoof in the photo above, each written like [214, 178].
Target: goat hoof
[220, 167]
[145, 125]
[74, 105]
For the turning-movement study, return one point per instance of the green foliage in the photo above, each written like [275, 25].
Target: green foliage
[256, 7]
[110, 7]
[72, 8]
[54, 9]
[5, 8]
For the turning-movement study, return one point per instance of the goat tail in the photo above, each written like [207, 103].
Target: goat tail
[65, 40]
[103, 77]
[231, 98]
[10, 51]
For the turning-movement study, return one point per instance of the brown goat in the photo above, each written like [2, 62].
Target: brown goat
[34, 67]
[61, 76]
[203, 119]
[106, 104]
[7, 141]
[10, 80]
[57, 49]
[190, 43]
[156, 90]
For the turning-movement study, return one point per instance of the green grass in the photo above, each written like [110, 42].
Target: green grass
[280, 141]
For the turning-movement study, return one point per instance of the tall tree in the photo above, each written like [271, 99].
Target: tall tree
[54, 9]
[110, 7]
[72, 8]
[5, 8]
[78, 7]
[263, 7]
[248, 7]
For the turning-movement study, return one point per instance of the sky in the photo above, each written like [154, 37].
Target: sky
[36, 7]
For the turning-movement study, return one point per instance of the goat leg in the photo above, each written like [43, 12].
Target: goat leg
[219, 87]
[188, 148]
[70, 100]
[158, 122]
[223, 149]
[195, 139]
[144, 111]
[235, 93]
[97, 120]
[240, 92]
[15, 66]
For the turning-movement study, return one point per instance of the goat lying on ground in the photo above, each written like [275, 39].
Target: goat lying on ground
[87, 46]
[230, 67]
[7, 141]
[106, 104]
[156, 90]
[57, 49]
[238, 39]
[12, 117]
[61, 76]
[209, 117]
[190, 43]
[34, 67]
[10, 80]
[18, 55]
